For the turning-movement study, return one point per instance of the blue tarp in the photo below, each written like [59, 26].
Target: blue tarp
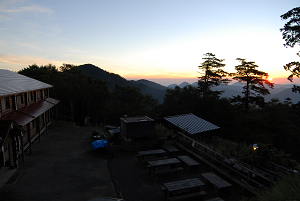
[99, 143]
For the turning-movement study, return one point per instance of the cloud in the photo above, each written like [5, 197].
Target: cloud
[27, 60]
[32, 8]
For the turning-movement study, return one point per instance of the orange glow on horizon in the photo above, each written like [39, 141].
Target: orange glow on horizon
[138, 77]
[161, 78]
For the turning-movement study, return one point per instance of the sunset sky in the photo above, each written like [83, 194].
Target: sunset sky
[159, 40]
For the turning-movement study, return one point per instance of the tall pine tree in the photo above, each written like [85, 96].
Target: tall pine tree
[254, 81]
[211, 74]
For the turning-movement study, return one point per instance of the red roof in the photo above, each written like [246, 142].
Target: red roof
[24, 115]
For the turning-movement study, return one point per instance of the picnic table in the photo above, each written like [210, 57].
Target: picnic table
[188, 162]
[170, 149]
[184, 189]
[150, 153]
[164, 166]
[215, 199]
[216, 181]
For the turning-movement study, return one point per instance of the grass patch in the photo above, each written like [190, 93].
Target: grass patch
[286, 189]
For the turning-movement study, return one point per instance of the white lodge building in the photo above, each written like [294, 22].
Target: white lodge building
[25, 114]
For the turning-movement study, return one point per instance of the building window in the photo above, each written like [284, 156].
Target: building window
[32, 125]
[5, 103]
[46, 93]
[30, 96]
[38, 94]
[20, 100]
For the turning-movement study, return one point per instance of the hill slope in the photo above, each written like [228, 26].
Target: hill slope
[110, 78]
[147, 87]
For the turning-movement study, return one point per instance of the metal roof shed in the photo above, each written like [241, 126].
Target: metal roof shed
[190, 123]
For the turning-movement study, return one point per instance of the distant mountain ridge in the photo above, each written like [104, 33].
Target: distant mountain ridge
[158, 91]
[150, 84]
[280, 91]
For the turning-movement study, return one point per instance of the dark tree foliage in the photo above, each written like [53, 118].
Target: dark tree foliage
[276, 123]
[80, 96]
[180, 100]
[96, 100]
[291, 35]
[291, 30]
[130, 101]
[211, 74]
[296, 109]
[254, 80]
[43, 73]
[282, 127]
[294, 68]
[72, 88]
[211, 108]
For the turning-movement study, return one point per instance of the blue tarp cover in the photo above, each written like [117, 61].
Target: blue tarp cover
[99, 143]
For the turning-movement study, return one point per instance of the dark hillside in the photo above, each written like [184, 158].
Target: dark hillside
[147, 87]
[110, 78]
[149, 83]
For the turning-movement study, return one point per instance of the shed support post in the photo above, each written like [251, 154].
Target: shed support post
[38, 128]
[29, 137]
[22, 147]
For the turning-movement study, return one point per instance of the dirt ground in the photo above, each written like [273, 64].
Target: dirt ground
[134, 183]
[64, 166]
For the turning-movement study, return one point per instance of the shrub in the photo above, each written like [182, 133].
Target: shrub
[286, 189]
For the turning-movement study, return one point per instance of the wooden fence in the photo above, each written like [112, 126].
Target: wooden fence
[254, 177]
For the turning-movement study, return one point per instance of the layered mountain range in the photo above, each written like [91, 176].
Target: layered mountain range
[158, 91]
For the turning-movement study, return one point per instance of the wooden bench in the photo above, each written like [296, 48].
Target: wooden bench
[216, 181]
[215, 199]
[181, 187]
[165, 172]
[168, 163]
[141, 155]
[189, 163]
[170, 149]
[146, 160]
[198, 195]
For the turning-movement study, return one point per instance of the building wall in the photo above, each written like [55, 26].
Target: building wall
[27, 98]
[6, 151]
[3, 109]
[25, 138]
[34, 129]
[10, 152]
[137, 129]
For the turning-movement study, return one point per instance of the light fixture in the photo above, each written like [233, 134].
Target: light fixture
[255, 147]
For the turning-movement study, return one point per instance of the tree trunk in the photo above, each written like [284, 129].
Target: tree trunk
[247, 95]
